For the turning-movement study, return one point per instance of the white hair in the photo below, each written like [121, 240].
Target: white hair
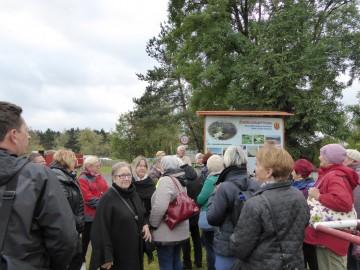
[90, 160]
[234, 155]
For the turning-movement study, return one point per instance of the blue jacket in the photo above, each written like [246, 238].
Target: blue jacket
[303, 185]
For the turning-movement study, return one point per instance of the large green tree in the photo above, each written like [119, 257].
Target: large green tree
[266, 55]
[90, 142]
[353, 139]
[47, 138]
[72, 142]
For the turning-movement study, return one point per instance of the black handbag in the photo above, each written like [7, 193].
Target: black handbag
[8, 197]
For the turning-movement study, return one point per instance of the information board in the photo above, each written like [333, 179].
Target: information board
[248, 132]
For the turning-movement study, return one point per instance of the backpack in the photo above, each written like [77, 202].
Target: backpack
[241, 197]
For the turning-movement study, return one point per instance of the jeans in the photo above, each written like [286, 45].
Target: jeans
[224, 262]
[208, 237]
[195, 236]
[169, 257]
[86, 239]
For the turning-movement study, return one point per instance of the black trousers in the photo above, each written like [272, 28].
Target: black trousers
[85, 239]
[186, 248]
[77, 260]
[352, 263]
[310, 258]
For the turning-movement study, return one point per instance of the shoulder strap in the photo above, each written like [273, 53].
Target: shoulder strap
[318, 184]
[8, 198]
[177, 187]
[136, 217]
[282, 256]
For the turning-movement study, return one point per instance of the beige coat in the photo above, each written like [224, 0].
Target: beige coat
[164, 194]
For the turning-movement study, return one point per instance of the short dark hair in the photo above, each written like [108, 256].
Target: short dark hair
[10, 118]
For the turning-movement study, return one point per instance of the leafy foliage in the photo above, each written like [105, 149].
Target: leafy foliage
[85, 141]
[265, 55]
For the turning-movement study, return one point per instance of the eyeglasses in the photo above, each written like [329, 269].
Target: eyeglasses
[123, 176]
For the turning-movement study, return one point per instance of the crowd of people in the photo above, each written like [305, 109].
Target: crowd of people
[258, 220]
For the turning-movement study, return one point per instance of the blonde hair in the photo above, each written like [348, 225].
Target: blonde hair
[160, 154]
[277, 159]
[65, 158]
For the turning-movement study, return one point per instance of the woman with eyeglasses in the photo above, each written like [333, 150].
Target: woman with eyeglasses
[92, 186]
[120, 225]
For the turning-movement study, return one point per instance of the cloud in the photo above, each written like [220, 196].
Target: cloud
[74, 63]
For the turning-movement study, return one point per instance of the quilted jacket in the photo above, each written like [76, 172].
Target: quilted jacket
[254, 241]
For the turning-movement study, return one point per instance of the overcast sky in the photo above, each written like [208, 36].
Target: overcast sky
[73, 63]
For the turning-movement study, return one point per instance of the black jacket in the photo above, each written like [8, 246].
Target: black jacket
[254, 241]
[115, 233]
[220, 205]
[72, 192]
[41, 227]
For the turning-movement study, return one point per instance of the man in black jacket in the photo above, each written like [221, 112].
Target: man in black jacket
[41, 230]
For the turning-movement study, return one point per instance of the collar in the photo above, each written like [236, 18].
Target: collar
[273, 185]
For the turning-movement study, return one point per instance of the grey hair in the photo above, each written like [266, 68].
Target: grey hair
[90, 160]
[137, 160]
[234, 156]
[118, 166]
[181, 147]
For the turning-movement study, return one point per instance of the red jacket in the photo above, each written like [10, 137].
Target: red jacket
[335, 184]
[92, 188]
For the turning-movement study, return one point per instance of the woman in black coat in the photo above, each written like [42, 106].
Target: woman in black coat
[63, 166]
[144, 185]
[117, 236]
[220, 211]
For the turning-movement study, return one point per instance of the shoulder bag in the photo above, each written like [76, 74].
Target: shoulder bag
[8, 197]
[180, 209]
[284, 259]
[321, 213]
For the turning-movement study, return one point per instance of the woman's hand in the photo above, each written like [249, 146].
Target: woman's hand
[314, 192]
[107, 265]
[146, 232]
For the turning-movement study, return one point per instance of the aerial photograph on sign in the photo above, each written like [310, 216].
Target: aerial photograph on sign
[222, 130]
